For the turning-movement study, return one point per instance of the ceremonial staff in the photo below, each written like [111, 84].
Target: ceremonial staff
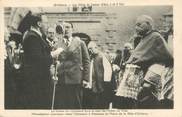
[55, 79]
[55, 54]
[54, 67]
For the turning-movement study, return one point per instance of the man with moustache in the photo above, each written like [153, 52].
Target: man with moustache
[51, 39]
[36, 91]
[73, 70]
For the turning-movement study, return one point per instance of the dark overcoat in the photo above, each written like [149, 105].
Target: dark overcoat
[36, 63]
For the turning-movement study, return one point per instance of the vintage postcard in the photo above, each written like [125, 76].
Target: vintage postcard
[90, 58]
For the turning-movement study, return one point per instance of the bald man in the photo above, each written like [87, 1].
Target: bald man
[51, 39]
[101, 78]
[150, 54]
[152, 47]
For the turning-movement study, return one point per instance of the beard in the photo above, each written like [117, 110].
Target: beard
[66, 37]
[143, 30]
[50, 38]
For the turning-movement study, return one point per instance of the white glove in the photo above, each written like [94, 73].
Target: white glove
[85, 84]
[12, 44]
[5, 54]
[115, 67]
[56, 52]
[55, 78]
[52, 70]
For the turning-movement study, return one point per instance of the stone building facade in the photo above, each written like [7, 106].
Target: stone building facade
[109, 27]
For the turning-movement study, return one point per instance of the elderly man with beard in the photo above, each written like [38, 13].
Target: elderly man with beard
[152, 54]
[100, 78]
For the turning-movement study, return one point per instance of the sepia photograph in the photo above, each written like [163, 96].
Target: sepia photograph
[88, 57]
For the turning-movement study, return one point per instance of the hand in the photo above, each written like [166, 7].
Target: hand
[5, 55]
[115, 67]
[56, 52]
[85, 84]
[123, 64]
[52, 70]
[12, 44]
[147, 85]
[55, 78]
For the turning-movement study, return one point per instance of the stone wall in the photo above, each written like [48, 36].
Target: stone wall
[109, 27]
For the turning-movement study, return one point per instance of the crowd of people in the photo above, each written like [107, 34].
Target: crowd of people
[54, 68]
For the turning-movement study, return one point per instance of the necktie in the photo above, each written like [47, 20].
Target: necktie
[67, 42]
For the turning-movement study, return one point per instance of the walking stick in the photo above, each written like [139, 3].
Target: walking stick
[53, 95]
[54, 88]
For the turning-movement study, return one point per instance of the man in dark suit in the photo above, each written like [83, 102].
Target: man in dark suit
[37, 60]
[100, 79]
[9, 79]
[73, 70]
